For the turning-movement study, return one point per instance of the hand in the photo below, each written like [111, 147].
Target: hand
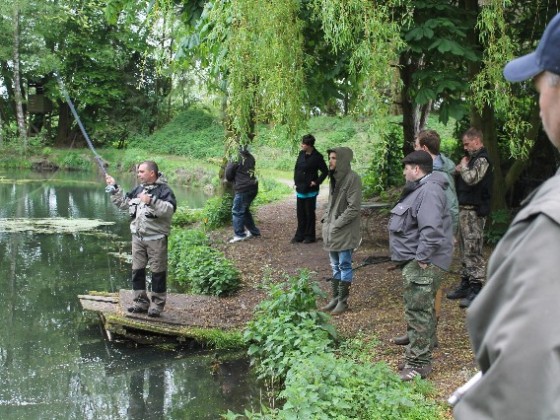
[145, 198]
[312, 184]
[422, 265]
[109, 180]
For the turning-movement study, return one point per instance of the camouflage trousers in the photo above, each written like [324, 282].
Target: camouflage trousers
[420, 288]
[471, 240]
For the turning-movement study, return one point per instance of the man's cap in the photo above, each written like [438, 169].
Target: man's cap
[419, 157]
[545, 58]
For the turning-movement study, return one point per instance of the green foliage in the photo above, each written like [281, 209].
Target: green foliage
[217, 211]
[386, 168]
[499, 223]
[185, 216]
[349, 387]
[72, 160]
[198, 267]
[286, 327]
[133, 157]
[270, 191]
[194, 133]
[216, 338]
[367, 34]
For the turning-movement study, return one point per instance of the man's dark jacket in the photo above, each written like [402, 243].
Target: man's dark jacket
[242, 173]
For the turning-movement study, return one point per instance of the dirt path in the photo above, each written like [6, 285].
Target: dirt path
[376, 307]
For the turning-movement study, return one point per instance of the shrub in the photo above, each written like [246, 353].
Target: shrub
[199, 268]
[385, 169]
[286, 326]
[326, 386]
[217, 211]
[186, 216]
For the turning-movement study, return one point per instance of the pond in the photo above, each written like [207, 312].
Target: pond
[54, 361]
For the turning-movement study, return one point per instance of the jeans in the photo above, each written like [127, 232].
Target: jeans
[341, 264]
[241, 215]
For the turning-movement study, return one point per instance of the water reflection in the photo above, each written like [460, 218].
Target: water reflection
[54, 362]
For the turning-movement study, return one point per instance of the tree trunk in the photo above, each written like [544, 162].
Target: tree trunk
[64, 124]
[414, 116]
[17, 83]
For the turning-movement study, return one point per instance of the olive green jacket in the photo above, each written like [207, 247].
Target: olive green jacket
[341, 220]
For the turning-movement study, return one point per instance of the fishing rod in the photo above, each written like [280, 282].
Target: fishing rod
[98, 158]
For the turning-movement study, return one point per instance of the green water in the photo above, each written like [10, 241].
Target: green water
[54, 361]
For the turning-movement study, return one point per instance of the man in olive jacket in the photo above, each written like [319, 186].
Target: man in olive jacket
[341, 225]
[514, 322]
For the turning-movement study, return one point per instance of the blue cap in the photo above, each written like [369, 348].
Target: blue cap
[545, 58]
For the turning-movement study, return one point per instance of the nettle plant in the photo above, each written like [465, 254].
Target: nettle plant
[198, 267]
[287, 326]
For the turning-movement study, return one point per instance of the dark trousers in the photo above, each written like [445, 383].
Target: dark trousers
[306, 218]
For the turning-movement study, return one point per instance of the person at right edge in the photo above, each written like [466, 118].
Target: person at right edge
[474, 191]
[342, 232]
[513, 324]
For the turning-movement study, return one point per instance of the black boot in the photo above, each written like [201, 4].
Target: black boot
[159, 293]
[343, 292]
[332, 304]
[462, 291]
[474, 291]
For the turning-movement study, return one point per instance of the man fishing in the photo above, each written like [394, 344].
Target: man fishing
[151, 206]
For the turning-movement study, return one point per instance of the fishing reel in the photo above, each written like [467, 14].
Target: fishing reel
[111, 188]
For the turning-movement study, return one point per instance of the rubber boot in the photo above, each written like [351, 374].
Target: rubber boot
[332, 304]
[139, 297]
[141, 302]
[474, 291]
[157, 304]
[159, 293]
[462, 291]
[343, 292]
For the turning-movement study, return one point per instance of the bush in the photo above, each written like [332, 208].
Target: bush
[385, 169]
[185, 216]
[199, 268]
[287, 327]
[74, 161]
[326, 386]
[217, 211]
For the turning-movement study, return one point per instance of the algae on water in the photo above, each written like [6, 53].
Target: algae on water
[51, 225]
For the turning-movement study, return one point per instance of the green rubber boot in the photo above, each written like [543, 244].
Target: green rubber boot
[343, 292]
[332, 304]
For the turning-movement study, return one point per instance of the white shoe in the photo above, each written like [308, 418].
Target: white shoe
[237, 239]
[248, 234]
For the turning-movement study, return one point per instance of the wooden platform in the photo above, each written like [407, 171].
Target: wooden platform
[207, 320]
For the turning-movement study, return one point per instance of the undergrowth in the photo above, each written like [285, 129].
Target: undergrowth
[294, 350]
[197, 267]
